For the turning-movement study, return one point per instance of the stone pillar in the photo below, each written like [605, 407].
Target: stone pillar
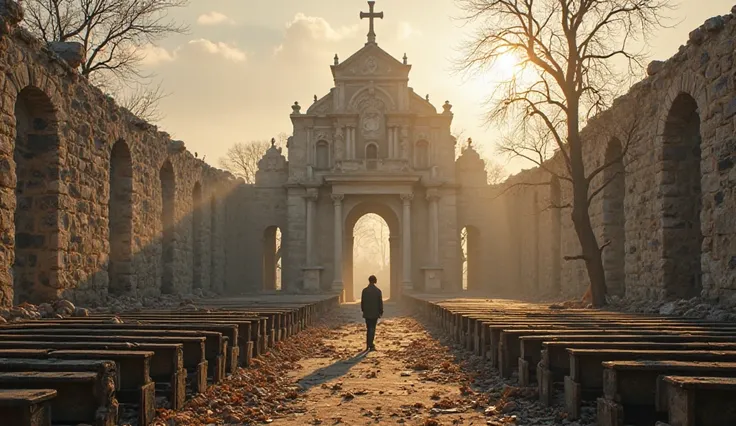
[311, 197]
[406, 283]
[394, 242]
[434, 226]
[349, 276]
[337, 284]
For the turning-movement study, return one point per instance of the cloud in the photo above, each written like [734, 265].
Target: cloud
[309, 32]
[406, 30]
[231, 53]
[154, 55]
[214, 18]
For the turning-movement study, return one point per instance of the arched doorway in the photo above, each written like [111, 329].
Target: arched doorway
[373, 247]
[36, 157]
[168, 221]
[682, 200]
[120, 221]
[371, 253]
[614, 220]
[470, 246]
[197, 236]
[272, 259]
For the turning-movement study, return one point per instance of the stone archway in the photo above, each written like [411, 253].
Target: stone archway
[271, 259]
[120, 221]
[391, 219]
[37, 163]
[682, 236]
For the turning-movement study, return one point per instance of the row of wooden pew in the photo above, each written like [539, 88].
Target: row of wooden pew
[96, 370]
[638, 369]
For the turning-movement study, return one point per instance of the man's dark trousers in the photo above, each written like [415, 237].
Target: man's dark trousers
[370, 324]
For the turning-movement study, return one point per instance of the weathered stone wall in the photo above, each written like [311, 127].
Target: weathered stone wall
[670, 216]
[86, 188]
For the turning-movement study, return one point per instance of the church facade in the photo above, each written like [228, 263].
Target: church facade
[370, 145]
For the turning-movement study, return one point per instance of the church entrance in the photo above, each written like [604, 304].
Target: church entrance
[372, 247]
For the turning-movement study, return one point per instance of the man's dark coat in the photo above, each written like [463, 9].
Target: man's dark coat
[371, 302]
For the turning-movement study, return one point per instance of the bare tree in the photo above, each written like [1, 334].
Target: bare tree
[372, 239]
[567, 73]
[112, 33]
[242, 158]
[495, 171]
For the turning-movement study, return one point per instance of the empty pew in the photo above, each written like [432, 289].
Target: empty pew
[80, 396]
[631, 388]
[701, 401]
[586, 369]
[26, 407]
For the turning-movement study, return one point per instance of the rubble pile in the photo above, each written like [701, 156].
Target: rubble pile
[691, 308]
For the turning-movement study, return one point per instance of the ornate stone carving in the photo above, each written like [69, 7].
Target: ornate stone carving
[312, 194]
[371, 124]
[433, 194]
[322, 135]
[406, 198]
[370, 66]
[296, 108]
[337, 198]
[404, 141]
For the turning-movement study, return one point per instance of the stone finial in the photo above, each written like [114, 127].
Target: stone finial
[654, 67]
[426, 98]
[470, 142]
[273, 141]
[406, 59]
[72, 52]
[11, 14]
[315, 99]
[447, 107]
[296, 108]
[337, 60]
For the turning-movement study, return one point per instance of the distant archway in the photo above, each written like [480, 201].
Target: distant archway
[470, 240]
[197, 236]
[614, 220]
[214, 282]
[37, 162]
[555, 211]
[682, 201]
[372, 226]
[168, 221]
[120, 221]
[272, 259]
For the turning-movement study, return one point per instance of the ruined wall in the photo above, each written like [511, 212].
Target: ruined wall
[670, 214]
[93, 201]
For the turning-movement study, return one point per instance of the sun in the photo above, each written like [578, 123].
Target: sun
[505, 66]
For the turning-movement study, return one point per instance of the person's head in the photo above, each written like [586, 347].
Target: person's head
[372, 279]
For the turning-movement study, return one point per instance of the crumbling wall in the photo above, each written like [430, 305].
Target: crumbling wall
[670, 216]
[82, 191]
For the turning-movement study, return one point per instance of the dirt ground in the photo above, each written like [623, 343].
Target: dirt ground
[375, 387]
[323, 376]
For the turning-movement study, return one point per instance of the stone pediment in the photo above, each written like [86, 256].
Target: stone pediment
[322, 106]
[370, 62]
[420, 105]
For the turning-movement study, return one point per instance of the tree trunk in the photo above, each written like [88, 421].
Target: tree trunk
[591, 253]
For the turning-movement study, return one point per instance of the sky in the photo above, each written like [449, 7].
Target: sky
[235, 75]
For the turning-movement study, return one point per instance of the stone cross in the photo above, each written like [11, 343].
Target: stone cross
[371, 15]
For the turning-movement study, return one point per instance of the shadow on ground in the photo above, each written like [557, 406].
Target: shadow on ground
[333, 371]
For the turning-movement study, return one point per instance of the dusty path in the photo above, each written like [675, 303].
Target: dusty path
[375, 387]
[323, 376]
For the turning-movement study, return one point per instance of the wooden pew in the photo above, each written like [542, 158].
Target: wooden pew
[701, 401]
[26, 407]
[80, 396]
[630, 388]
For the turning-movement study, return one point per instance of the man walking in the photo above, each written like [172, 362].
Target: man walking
[371, 303]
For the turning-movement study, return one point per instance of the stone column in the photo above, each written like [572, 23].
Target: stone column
[406, 283]
[349, 276]
[311, 196]
[434, 226]
[394, 242]
[337, 284]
